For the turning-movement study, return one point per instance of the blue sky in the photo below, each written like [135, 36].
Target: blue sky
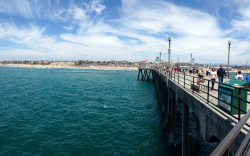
[132, 30]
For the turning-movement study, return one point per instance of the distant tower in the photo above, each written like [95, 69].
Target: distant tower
[52, 60]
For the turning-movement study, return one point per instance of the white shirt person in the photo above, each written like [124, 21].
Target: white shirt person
[239, 76]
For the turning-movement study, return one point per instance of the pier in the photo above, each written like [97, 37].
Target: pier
[145, 73]
[213, 123]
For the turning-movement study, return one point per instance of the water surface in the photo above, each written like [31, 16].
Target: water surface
[84, 112]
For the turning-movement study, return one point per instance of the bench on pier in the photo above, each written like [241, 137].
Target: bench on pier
[200, 87]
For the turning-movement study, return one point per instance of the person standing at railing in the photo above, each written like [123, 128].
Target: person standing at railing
[208, 71]
[213, 75]
[177, 69]
[200, 78]
[239, 76]
[197, 70]
[221, 73]
[190, 70]
[248, 80]
[186, 70]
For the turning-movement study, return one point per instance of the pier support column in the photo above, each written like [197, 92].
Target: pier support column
[143, 76]
[163, 98]
[160, 84]
[172, 122]
[149, 75]
[167, 109]
[157, 82]
[197, 131]
[138, 74]
[179, 107]
[185, 130]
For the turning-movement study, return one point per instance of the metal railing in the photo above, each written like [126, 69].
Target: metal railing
[225, 144]
[182, 80]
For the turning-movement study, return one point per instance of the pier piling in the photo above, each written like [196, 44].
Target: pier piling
[185, 130]
[172, 122]
[197, 131]
[167, 109]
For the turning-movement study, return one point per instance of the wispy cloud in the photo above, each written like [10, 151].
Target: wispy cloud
[70, 28]
[53, 10]
[139, 33]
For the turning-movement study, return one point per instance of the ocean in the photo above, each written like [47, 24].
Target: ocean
[85, 112]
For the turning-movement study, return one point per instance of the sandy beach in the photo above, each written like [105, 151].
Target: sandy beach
[85, 67]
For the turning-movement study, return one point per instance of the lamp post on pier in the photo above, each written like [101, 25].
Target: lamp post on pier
[190, 58]
[169, 52]
[229, 43]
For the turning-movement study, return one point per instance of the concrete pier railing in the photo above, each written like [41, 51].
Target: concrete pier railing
[212, 122]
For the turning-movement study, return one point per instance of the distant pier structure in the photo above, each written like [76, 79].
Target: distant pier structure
[145, 74]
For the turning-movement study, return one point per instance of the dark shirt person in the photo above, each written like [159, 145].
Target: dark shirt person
[221, 73]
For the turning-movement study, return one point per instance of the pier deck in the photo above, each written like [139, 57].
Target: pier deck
[203, 96]
[213, 123]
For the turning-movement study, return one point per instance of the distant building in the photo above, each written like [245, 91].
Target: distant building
[145, 64]
[124, 63]
[63, 63]
[164, 63]
[135, 63]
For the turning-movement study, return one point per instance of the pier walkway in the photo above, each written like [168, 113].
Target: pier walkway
[213, 123]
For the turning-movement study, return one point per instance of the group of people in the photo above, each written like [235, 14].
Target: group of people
[220, 73]
[211, 72]
[240, 77]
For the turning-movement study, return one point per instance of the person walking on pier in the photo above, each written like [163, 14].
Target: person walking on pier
[213, 75]
[221, 73]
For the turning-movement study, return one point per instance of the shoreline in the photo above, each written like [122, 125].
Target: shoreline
[72, 67]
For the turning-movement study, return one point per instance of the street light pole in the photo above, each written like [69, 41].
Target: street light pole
[229, 43]
[190, 58]
[160, 61]
[169, 52]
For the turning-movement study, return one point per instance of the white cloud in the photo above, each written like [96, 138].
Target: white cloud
[53, 10]
[97, 6]
[139, 34]
[242, 24]
[70, 28]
